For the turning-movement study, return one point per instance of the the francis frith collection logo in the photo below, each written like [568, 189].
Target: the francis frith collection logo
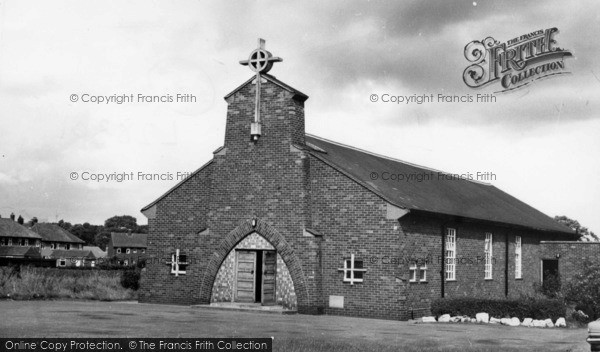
[515, 63]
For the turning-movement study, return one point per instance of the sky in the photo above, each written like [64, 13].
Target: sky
[541, 141]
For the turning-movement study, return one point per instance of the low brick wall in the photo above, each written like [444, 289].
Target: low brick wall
[571, 256]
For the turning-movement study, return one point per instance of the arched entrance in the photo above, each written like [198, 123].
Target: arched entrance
[220, 281]
[253, 272]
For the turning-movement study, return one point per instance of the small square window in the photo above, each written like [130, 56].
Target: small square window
[178, 263]
[62, 262]
[353, 270]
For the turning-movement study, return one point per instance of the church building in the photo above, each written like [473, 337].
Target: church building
[282, 217]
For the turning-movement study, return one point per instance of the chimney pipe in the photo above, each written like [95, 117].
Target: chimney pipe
[12, 216]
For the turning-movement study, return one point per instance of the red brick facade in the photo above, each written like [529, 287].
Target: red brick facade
[279, 190]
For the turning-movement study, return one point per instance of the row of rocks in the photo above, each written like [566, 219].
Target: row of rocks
[485, 318]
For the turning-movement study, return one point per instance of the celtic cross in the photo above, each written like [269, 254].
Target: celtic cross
[259, 61]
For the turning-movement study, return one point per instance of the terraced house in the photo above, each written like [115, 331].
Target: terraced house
[128, 248]
[42, 244]
[282, 217]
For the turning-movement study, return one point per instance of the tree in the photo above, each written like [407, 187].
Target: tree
[86, 232]
[33, 221]
[583, 232]
[584, 290]
[65, 225]
[122, 223]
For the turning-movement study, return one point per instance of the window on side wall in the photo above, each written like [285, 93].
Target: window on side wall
[488, 256]
[423, 272]
[353, 270]
[413, 273]
[450, 265]
[178, 263]
[518, 268]
[62, 262]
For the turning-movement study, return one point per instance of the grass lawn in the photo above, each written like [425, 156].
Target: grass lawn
[291, 332]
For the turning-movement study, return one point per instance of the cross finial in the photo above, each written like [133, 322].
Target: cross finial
[260, 60]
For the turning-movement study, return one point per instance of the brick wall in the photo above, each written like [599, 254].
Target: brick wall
[353, 220]
[572, 256]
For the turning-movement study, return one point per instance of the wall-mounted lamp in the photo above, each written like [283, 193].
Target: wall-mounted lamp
[557, 255]
[253, 222]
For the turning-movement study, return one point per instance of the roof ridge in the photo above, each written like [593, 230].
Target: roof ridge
[393, 159]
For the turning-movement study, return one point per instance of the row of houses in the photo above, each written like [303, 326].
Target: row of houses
[51, 244]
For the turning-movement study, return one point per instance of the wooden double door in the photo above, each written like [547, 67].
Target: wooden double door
[255, 278]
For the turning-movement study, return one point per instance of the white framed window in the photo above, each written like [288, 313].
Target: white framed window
[518, 269]
[413, 273]
[423, 272]
[62, 262]
[450, 267]
[178, 263]
[353, 270]
[135, 251]
[93, 263]
[126, 262]
[127, 251]
[23, 243]
[118, 250]
[143, 250]
[488, 256]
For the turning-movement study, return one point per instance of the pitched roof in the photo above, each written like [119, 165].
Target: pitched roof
[131, 240]
[298, 94]
[96, 251]
[455, 196]
[19, 252]
[193, 174]
[70, 253]
[55, 233]
[10, 228]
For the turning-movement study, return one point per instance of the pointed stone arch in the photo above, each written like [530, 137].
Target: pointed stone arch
[275, 238]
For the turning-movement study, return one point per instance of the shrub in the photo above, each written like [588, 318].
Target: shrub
[551, 287]
[583, 290]
[501, 308]
[23, 283]
[131, 279]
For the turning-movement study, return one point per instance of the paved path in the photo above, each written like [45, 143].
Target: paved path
[110, 319]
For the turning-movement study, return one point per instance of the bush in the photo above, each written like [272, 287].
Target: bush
[131, 279]
[501, 308]
[551, 287]
[23, 283]
[583, 290]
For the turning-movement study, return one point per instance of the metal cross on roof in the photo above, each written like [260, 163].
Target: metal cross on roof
[259, 61]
